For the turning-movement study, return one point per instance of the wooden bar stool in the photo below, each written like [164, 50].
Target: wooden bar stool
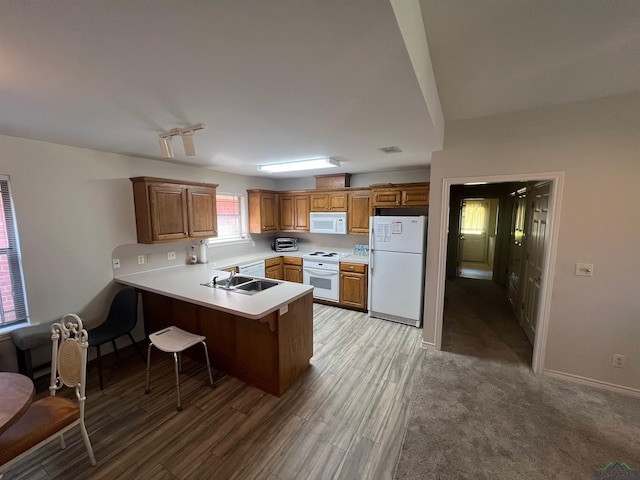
[175, 340]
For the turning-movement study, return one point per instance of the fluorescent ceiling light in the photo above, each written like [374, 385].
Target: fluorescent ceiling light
[299, 165]
[475, 183]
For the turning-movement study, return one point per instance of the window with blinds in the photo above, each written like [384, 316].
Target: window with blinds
[13, 305]
[232, 218]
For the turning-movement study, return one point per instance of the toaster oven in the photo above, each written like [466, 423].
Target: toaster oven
[285, 244]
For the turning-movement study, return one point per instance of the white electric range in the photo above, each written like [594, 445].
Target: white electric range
[322, 271]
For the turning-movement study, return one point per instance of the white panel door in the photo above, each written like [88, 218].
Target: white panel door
[535, 258]
[396, 284]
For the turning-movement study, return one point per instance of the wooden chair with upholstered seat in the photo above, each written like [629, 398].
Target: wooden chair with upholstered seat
[52, 416]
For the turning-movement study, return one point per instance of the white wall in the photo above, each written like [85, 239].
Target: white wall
[360, 179]
[597, 145]
[74, 207]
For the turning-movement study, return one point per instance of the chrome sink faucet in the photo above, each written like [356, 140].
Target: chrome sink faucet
[231, 275]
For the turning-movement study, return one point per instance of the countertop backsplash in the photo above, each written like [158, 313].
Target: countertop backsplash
[127, 254]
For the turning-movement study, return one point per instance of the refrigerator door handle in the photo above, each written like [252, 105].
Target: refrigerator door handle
[371, 260]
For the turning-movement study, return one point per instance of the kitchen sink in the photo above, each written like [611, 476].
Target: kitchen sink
[255, 286]
[243, 284]
[236, 280]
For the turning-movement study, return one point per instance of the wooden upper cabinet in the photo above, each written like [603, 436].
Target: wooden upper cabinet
[400, 195]
[329, 202]
[386, 198]
[168, 213]
[203, 218]
[418, 196]
[294, 213]
[358, 218]
[263, 211]
[302, 203]
[170, 210]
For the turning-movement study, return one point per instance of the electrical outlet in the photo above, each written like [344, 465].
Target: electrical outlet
[149, 257]
[171, 255]
[140, 259]
[116, 263]
[619, 360]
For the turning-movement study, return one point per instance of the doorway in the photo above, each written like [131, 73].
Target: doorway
[478, 228]
[449, 231]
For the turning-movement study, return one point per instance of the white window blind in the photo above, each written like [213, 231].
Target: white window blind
[13, 305]
[232, 218]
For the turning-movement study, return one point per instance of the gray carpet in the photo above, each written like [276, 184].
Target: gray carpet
[479, 411]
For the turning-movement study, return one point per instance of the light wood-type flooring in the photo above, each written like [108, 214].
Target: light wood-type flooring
[344, 419]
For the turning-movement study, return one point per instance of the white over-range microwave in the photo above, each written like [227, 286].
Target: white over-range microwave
[328, 222]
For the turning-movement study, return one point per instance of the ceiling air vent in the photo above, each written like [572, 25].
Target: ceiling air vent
[393, 149]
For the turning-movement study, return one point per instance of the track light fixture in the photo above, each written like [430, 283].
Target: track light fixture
[187, 140]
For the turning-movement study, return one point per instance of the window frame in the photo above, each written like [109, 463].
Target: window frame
[14, 260]
[243, 235]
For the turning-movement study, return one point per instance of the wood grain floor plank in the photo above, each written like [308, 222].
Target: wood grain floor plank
[344, 418]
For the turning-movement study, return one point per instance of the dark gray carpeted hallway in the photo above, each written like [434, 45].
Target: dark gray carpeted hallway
[479, 411]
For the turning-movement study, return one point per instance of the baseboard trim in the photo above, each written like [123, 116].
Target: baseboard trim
[594, 383]
[427, 345]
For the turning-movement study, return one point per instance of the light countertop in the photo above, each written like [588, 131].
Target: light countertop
[222, 263]
[183, 283]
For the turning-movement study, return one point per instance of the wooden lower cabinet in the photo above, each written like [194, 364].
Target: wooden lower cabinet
[269, 353]
[292, 269]
[273, 268]
[353, 285]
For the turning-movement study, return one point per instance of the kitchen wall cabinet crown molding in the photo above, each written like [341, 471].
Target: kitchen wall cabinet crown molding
[172, 210]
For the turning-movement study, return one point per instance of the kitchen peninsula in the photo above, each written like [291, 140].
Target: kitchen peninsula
[265, 339]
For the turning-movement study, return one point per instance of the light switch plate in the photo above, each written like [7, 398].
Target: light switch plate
[584, 269]
[116, 263]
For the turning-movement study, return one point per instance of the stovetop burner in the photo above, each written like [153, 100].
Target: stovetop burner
[335, 255]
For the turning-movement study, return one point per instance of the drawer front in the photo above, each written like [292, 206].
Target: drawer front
[293, 261]
[353, 267]
[270, 262]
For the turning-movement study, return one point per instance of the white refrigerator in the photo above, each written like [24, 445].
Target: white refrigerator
[396, 268]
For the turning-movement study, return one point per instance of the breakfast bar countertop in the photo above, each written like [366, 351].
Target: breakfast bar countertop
[184, 283]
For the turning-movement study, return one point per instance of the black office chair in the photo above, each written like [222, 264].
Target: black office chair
[122, 318]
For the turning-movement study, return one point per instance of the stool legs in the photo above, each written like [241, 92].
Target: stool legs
[147, 390]
[176, 363]
[206, 354]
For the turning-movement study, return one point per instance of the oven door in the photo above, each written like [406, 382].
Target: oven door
[324, 282]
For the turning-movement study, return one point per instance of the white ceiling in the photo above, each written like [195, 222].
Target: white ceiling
[287, 79]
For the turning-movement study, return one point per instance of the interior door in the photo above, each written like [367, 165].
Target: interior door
[539, 210]
[474, 247]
